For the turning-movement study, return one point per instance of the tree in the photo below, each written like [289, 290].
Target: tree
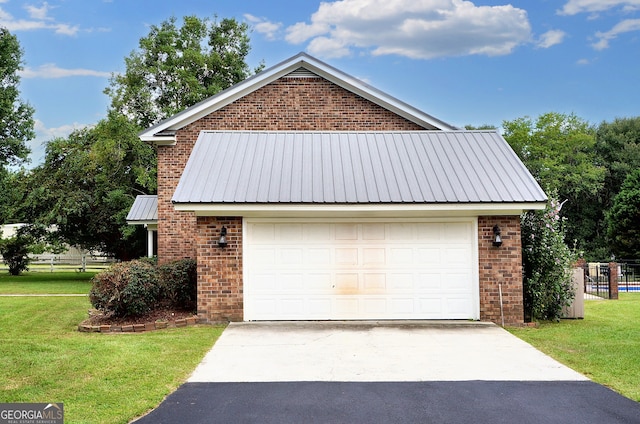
[546, 261]
[87, 184]
[559, 150]
[623, 219]
[16, 117]
[176, 67]
[618, 151]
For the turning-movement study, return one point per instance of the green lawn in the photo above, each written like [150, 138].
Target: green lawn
[46, 282]
[604, 346]
[101, 378]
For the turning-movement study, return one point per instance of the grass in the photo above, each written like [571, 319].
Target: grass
[46, 282]
[101, 378]
[604, 346]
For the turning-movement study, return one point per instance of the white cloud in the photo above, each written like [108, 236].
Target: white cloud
[38, 20]
[412, 28]
[551, 38]
[583, 62]
[263, 26]
[39, 13]
[573, 7]
[627, 25]
[51, 70]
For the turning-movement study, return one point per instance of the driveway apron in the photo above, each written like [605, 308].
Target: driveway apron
[370, 372]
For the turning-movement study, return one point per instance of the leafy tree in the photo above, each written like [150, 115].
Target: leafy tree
[618, 151]
[15, 250]
[87, 184]
[547, 263]
[481, 127]
[16, 117]
[559, 150]
[623, 219]
[176, 67]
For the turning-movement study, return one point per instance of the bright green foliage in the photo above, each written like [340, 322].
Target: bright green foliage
[623, 219]
[126, 289]
[176, 67]
[547, 263]
[16, 117]
[87, 185]
[15, 253]
[618, 151]
[559, 150]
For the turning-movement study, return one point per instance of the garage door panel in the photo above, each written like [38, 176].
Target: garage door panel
[291, 256]
[426, 282]
[374, 257]
[346, 231]
[316, 282]
[371, 270]
[346, 283]
[374, 282]
[457, 282]
[346, 256]
[373, 231]
[318, 256]
[400, 282]
[431, 307]
[400, 256]
[290, 233]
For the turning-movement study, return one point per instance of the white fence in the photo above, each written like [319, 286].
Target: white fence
[66, 262]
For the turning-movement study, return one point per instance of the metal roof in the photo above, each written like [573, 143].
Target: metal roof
[302, 63]
[355, 168]
[144, 210]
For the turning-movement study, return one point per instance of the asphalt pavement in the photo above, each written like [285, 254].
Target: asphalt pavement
[385, 372]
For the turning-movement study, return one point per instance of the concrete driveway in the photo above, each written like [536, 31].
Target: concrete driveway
[375, 351]
[382, 372]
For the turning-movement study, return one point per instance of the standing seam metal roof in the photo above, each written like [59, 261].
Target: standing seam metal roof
[144, 209]
[355, 168]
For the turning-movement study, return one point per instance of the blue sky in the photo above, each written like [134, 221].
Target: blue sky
[465, 62]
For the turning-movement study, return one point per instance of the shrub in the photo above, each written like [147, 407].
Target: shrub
[547, 263]
[178, 282]
[15, 251]
[126, 289]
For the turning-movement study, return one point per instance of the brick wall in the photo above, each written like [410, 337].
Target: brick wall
[500, 265]
[305, 104]
[219, 270]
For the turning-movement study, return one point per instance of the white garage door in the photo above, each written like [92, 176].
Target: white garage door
[305, 270]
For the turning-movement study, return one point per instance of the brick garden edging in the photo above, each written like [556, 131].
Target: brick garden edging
[137, 328]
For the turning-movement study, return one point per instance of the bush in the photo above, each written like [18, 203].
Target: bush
[178, 282]
[126, 289]
[547, 263]
[15, 251]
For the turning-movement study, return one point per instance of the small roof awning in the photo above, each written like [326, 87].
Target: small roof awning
[144, 211]
[448, 169]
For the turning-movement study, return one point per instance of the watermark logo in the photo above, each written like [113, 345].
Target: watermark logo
[31, 413]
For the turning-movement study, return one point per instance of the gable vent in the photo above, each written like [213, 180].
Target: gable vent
[301, 73]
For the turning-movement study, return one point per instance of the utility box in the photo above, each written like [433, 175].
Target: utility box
[576, 309]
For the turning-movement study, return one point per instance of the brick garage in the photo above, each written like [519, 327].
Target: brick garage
[305, 95]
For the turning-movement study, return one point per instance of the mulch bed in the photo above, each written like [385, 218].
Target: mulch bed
[160, 318]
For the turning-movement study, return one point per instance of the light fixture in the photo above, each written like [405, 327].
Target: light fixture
[497, 239]
[222, 241]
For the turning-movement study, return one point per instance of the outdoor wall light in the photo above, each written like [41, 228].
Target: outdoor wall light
[222, 241]
[497, 239]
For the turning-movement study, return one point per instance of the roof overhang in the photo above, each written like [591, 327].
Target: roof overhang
[163, 133]
[359, 210]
